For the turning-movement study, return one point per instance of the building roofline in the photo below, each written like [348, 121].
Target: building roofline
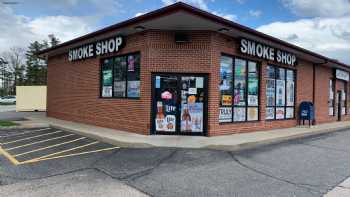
[183, 6]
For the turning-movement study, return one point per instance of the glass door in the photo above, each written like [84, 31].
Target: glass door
[166, 103]
[192, 104]
[179, 104]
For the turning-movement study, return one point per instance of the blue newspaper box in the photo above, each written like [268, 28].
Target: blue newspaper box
[306, 112]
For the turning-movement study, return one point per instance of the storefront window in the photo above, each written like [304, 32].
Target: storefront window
[331, 98]
[239, 102]
[121, 77]
[280, 93]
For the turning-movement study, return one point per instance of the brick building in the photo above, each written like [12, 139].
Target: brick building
[180, 70]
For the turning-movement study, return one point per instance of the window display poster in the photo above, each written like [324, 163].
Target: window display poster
[192, 117]
[225, 114]
[239, 92]
[290, 112]
[133, 89]
[252, 100]
[280, 113]
[240, 67]
[131, 63]
[343, 111]
[226, 100]
[270, 92]
[270, 113]
[280, 94]
[157, 82]
[119, 88]
[107, 77]
[253, 86]
[226, 73]
[239, 114]
[107, 91]
[199, 82]
[290, 93]
[165, 120]
[252, 113]
[330, 111]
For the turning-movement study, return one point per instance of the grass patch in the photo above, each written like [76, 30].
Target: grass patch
[7, 103]
[6, 123]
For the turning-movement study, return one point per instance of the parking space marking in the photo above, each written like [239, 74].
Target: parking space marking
[70, 155]
[28, 138]
[30, 131]
[52, 146]
[9, 157]
[47, 140]
[57, 153]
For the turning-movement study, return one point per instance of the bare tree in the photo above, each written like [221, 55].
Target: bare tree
[13, 72]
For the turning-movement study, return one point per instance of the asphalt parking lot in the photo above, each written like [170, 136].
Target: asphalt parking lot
[299, 168]
[40, 144]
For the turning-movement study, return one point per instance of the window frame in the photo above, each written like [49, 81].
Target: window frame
[113, 76]
[246, 106]
[285, 106]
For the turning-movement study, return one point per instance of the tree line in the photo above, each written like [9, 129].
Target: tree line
[20, 66]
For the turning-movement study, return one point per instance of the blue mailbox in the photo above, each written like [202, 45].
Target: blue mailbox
[306, 112]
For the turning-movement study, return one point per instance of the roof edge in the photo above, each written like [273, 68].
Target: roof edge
[202, 13]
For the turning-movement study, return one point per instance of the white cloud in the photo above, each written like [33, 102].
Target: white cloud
[328, 36]
[203, 4]
[255, 13]
[315, 8]
[19, 31]
[139, 14]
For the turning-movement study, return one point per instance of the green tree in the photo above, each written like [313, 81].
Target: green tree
[36, 68]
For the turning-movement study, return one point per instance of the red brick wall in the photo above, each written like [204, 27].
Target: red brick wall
[74, 88]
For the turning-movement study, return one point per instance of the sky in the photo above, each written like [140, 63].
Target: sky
[322, 26]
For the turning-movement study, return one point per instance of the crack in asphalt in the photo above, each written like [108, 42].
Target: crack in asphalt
[137, 175]
[300, 185]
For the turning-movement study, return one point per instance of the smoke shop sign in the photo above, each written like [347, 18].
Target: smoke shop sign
[343, 75]
[101, 47]
[263, 51]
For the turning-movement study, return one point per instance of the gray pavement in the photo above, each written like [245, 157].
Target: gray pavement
[11, 114]
[306, 167]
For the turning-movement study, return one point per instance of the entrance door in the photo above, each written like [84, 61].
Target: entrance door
[339, 105]
[179, 104]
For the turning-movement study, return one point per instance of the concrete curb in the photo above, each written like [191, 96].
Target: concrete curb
[251, 145]
[104, 139]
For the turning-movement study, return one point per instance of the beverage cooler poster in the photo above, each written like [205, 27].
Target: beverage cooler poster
[192, 117]
[166, 112]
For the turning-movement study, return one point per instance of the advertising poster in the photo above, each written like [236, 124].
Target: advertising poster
[119, 88]
[133, 88]
[192, 117]
[157, 85]
[290, 93]
[290, 112]
[226, 74]
[343, 111]
[107, 91]
[199, 82]
[280, 113]
[270, 113]
[107, 77]
[330, 111]
[131, 63]
[239, 92]
[280, 93]
[225, 114]
[226, 100]
[253, 86]
[239, 114]
[165, 117]
[252, 100]
[252, 113]
[270, 92]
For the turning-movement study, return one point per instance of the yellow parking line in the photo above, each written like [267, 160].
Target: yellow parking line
[31, 137]
[30, 131]
[32, 151]
[55, 138]
[52, 154]
[9, 156]
[70, 155]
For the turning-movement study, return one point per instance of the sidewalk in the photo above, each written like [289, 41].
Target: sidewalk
[227, 142]
[342, 190]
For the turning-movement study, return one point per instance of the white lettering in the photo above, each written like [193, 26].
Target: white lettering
[111, 45]
[251, 48]
[98, 48]
[104, 47]
[91, 50]
[259, 50]
[272, 54]
[118, 43]
[244, 48]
